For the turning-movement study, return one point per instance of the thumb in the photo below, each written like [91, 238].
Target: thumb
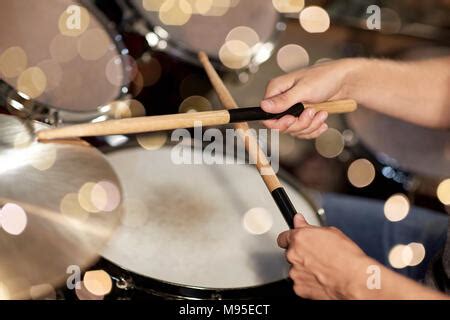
[300, 221]
[279, 103]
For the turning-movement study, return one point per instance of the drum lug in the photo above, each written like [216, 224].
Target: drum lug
[125, 283]
[216, 296]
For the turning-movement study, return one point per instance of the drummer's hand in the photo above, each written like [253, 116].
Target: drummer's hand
[324, 261]
[319, 83]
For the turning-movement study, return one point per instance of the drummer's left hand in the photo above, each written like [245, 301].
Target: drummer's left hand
[325, 262]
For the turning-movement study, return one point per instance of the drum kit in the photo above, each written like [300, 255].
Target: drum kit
[160, 230]
[157, 229]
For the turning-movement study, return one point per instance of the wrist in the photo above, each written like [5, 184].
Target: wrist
[358, 285]
[357, 73]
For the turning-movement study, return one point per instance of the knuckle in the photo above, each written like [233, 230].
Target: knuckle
[291, 255]
[292, 274]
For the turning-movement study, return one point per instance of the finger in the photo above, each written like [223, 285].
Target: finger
[302, 122]
[279, 85]
[284, 239]
[300, 221]
[281, 102]
[314, 134]
[318, 120]
[280, 124]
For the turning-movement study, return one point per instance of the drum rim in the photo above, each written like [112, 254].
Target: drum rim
[53, 115]
[187, 55]
[198, 290]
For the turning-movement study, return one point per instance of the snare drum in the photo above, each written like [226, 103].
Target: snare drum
[65, 61]
[197, 231]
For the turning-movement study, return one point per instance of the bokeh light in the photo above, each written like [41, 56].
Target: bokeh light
[70, 207]
[195, 104]
[292, 57]
[152, 141]
[13, 61]
[45, 159]
[13, 219]
[127, 109]
[32, 82]
[257, 221]
[22, 140]
[175, 12]
[85, 197]
[330, 144]
[361, 173]
[400, 256]
[152, 5]
[288, 6]
[97, 282]
[83, 293]
[443, 192]
[93, 44]
[245, 34]
[105, 196]
[396, 208]
[235, 54]
[418, 253]
[314, 19]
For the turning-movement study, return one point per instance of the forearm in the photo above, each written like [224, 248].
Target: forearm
[417, 92]
[393, 286]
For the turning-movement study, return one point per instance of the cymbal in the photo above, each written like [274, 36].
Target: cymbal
[60, 203]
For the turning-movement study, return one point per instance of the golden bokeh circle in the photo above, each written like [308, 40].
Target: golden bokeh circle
[175, 12]
[400, 256]
[418, 253]
[443, 192]
[70, 208]
[93, 44]
[32, 82]
[292, 57]
[314, 19]
[152, 141]
[195, 104]
[13, 61]
[288, 6]
[131, 108]
[245, 34]
[98, 282]
[361, 173]
[85, 197]
[397, 207]
[235, 54]
[257, 221]
[330, 144]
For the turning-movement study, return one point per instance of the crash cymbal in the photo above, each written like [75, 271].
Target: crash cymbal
[60, 203]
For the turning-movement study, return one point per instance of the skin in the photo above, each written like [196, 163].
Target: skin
[326, 264]
[416, 92]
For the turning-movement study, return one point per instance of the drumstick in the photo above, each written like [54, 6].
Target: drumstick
[185, 120]
[269, 177]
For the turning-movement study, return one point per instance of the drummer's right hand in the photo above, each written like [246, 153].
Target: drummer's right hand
[316, 84]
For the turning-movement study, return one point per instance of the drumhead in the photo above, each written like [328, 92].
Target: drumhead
[82, 72]
[208, 33]
[403, 145]
[203, 226]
